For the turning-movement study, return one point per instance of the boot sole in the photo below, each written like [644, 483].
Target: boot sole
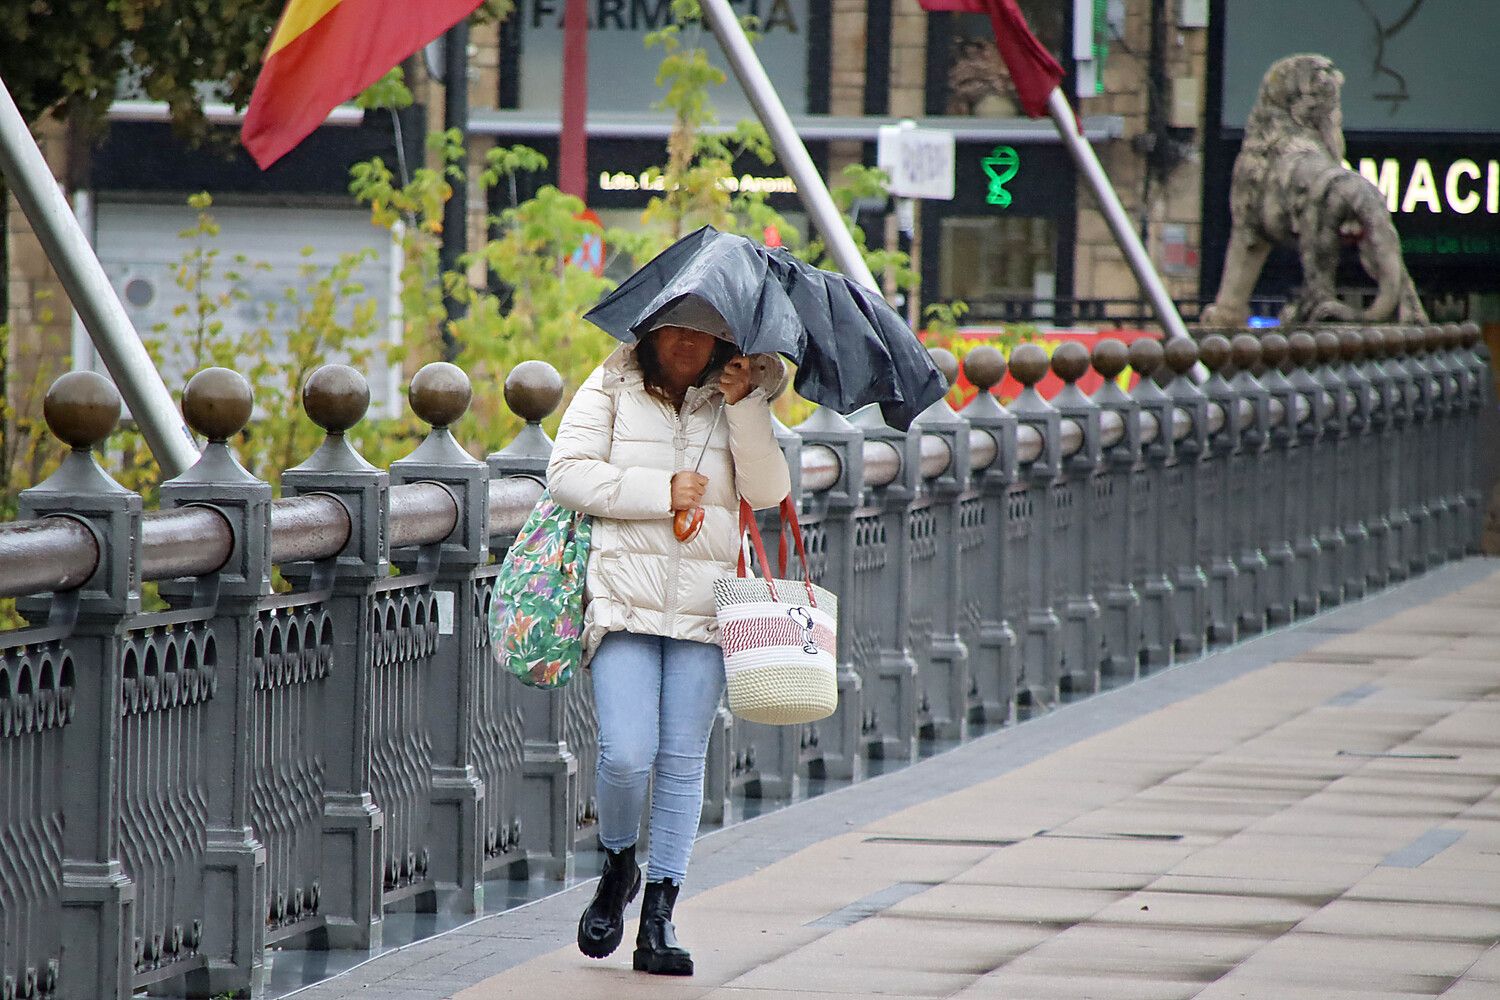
[607, 946]
[662, 965]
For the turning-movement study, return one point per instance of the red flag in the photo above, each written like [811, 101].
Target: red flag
[1032, 68]
[326, 51]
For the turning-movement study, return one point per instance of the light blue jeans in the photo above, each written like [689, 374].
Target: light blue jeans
[656, 699]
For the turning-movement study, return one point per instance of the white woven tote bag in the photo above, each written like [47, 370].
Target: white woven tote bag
[779, 636]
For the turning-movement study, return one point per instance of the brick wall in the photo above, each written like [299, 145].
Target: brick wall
[846, 92]
[908, 59]
[1101, 271]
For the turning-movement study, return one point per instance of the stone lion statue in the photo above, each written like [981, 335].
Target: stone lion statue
[1290, 187]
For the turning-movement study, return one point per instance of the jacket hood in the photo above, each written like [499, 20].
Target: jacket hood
[768, 371]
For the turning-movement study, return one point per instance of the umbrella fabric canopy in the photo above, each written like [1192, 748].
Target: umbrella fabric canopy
[850, 347]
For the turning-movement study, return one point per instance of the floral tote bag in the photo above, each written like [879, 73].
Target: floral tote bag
[536, 616]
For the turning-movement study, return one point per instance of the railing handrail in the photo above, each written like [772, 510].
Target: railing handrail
[57, 554]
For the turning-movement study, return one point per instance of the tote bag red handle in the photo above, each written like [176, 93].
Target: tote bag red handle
[788, 520]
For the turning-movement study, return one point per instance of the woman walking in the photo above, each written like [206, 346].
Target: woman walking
[625, 455]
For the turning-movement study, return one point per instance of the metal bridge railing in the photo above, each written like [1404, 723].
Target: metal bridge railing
[180, 790]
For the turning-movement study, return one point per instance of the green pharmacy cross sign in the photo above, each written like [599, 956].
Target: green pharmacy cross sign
[1001, 165]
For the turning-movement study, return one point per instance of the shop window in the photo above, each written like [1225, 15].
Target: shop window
[991, 257]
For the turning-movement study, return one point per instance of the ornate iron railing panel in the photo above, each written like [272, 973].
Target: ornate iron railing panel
[405, 627]
[36, 703]
[291, 655]
[496, 743]
[168, 670]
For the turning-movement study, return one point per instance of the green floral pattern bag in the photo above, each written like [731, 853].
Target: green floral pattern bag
[536, 616]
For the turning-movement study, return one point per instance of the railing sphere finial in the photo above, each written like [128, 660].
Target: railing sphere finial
[1244, 352]
[1214, 351]
[1433, 338]
[440, 393]
[1181, 354]
[1328, 346]
[1395, 342]
[1274, 350]
[984, 367]
[1146, 356]
[1070, 361]
[82, 409]
[945, 362]
[1110, 358]
[1470, 332]
[217, 403]
[1374, 343]
[1028, 364]
[532, 390]
[1304, 349]
[1352, 345]
[1453, 336]
[336, 397]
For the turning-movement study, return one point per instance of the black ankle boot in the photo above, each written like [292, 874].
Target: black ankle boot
[656, 947]
[602, 925]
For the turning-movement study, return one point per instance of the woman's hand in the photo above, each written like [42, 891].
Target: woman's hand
[735, 382]
[687, 490]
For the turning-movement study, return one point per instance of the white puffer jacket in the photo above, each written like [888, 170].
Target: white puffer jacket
[614, 458]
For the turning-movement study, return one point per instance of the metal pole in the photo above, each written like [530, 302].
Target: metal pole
[456, 210]
[789, 148]
[1114, 214]
[88, 288]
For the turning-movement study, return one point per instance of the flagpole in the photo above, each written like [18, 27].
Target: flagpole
[1114, 214]
[455, 242]
[790, 149]
[72, 257]
[572, 147]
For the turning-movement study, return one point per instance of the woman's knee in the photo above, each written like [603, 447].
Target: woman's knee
[626, 761]
[678, 766]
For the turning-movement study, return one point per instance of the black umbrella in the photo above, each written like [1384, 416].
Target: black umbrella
[850, 347]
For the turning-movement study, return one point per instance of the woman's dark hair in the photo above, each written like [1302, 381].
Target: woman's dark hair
[646, 357]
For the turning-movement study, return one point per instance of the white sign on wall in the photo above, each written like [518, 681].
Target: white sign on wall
[919, 161]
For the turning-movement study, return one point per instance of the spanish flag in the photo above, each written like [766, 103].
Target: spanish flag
[326, 51]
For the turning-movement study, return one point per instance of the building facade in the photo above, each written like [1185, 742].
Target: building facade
[1162, 87]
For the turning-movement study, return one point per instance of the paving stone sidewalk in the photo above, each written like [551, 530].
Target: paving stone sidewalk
[1314, 814]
